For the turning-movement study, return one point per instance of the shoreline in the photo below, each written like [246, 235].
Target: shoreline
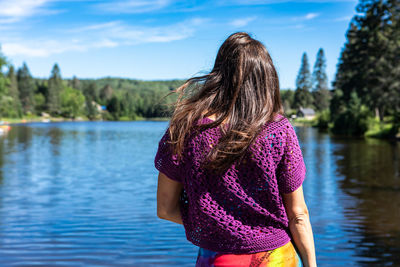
[12, 121]
[374, 133]
[299, 123]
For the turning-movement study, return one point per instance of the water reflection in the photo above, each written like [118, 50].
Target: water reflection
[371, 176]
[83, 194]
[323, 194]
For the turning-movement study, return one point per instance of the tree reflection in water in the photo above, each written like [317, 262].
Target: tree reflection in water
[371, 171]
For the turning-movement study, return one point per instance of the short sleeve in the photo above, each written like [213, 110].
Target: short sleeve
[291, 169]
[165, 161]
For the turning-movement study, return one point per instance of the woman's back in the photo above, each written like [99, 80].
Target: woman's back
[235, 182]
[240, 210]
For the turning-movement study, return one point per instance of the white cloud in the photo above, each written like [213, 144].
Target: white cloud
[20, 8]
[127, 34]
[50, 47]
[110, 34]
[307, 16]
[98, 26]
[311, 16]
[132, 6]
[242, 22]
[13, 11]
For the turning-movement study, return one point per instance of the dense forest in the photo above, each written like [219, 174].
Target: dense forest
[367, 82]
[22, 95]
[365, 92]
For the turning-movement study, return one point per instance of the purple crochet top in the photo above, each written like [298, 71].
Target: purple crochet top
[242, 210]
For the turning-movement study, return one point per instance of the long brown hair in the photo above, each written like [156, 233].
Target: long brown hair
[241, 90]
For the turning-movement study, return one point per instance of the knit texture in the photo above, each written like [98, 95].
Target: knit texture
[240, 211]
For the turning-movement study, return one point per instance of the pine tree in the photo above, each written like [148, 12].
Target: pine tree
[303, 97]
[393, 60]
[369, 62]
[6, 101]
[55, 87]
[387, 66]
[13, 90]
[320, 90]
[320, 79]
[13, 83]
[26, 88]
[3, 82]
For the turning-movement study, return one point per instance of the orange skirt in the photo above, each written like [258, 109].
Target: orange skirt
[285, 255]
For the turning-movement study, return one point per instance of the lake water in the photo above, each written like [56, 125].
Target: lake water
[84, 194]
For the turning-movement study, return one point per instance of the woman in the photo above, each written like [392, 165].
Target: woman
[231, 168]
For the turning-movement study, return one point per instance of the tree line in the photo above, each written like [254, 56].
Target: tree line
[367, 81]
[312, 89]
[22, 95]
[366, 85]
[109, 98]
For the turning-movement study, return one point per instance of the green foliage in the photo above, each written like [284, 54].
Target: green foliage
[287, 97]
[369, 62]
[106, 93]
[320, 92]
[21, 94]
[319, 76]
[75, 83]
[90, 93]
[137, 99]
[114, 107]
[323, 119]
[40, 102]
[321, 98]
[90, 108]
[72, 102]
[368, 75]
[6, 101]
[303, 97]
[3, 61]
[55, 87]
[13, 91]
[377, 128]
[3, 79]
[7, 107]
[337, 104]
[90, 90]
[26, 87]
[303, 80]
[353, 120]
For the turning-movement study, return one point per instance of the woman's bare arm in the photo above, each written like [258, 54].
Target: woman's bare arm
[300, 226]
[168, 193]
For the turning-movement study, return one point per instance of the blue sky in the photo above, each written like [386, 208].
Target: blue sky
[166, 39]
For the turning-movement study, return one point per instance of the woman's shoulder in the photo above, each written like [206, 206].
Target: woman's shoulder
[276, 130]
